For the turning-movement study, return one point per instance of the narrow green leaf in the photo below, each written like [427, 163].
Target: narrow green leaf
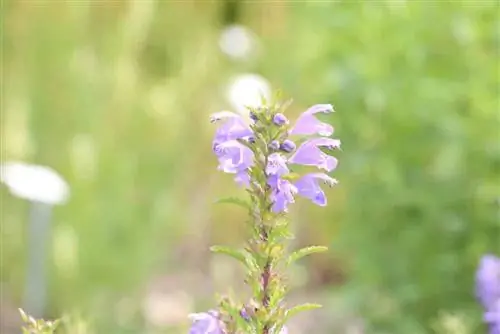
[237, 254]
[291, 177]
[297, 255]
[300, 308]
[234, 200]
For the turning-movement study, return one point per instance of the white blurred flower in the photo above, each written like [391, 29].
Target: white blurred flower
[34, 183]
[237, 42]
[247, 90]
[167, 309]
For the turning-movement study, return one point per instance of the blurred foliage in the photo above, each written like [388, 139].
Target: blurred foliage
[115, 95]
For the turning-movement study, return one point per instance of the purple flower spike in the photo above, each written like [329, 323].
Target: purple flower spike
[206, 323]
[280, 119]
[288, 146]
[309, 154]
[308, 124]
[274, 145]
[308, 187]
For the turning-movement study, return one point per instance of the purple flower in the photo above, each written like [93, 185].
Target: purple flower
[308, 187]
[280, 119]
[488, 280]
[276, 165]
[488, 290]
[206, 323]
[233, 156]
[288, 146]
[309, 154]
[308, 124]
[282, 195]
[234, 127]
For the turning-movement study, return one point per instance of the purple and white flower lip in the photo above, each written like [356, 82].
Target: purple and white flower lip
[236, 158]
[307, 124]
[488, 290]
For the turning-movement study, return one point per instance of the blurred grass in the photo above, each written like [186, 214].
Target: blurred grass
[115, 96]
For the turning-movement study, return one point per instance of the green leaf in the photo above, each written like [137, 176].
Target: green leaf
[238, 254]
[234, 200]
[297, 255]
[291, 177]
[300, 308]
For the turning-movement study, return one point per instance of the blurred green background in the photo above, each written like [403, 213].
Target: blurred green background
[115, 95]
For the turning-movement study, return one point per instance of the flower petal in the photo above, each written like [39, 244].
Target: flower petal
[308, 187]
[206, 323]
[282, 195]
[215, 117]
[308, 124]
[309, 154]
[488, 281]
[233, 156]
[234, 127]
[276, 165]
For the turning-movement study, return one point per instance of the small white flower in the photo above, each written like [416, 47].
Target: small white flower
[34, 183]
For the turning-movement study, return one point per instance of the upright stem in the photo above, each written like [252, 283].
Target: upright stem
[38, 235]
[265, 277]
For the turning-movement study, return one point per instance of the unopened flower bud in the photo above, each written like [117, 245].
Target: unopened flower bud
[288, 146]
[253, 116]
[280, 119]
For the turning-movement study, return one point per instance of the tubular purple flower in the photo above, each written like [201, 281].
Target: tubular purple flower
[206, 323]
[488, 281]
[309, 154]
[488, 290]
[233, 156]
[234, 127]
[288, 146]
[492, 318]
[308, 124]
[282, 195]
[308, 187]
[280, 119]
[276, 165]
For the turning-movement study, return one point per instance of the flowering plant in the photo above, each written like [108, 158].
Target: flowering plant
[260, 153]
[488, 290]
